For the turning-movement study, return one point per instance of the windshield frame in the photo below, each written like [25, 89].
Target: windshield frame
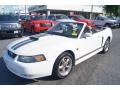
[50, 31]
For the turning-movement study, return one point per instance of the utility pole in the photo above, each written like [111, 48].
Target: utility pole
[91, 13]
[3, 10]
[25, 11]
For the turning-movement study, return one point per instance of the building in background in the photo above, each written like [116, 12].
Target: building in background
[7, 9]
[89, 11]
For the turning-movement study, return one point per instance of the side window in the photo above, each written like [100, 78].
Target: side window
[98, 18]
[94, 30]
[86, 30]
[101, 18]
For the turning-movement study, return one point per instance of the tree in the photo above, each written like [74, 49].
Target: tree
[112, 10]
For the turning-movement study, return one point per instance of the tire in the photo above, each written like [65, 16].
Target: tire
[106, 46]
[20, 35]
[63, 66]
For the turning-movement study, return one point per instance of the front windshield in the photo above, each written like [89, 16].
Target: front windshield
[38, 17]
[112, 18]
[9, 18]
[67, 29]
[61, 17]
[106, 18]
[52, 17]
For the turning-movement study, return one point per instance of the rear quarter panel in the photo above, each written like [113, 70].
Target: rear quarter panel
[107, 32]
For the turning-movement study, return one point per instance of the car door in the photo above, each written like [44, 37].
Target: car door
[98, 21]
[87, 45]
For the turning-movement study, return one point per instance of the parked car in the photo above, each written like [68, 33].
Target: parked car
[105, 22]
[118, 20]
[10, 26]
[81, 18]
[114, 18]
[36, 24]
[57, 51]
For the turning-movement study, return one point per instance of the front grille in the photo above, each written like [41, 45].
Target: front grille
[8, 26]
[46, 24]
[11, 54]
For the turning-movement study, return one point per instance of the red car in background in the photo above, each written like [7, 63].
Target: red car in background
[80, 18]
[36, 23]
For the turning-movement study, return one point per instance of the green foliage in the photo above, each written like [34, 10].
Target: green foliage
[112, 10]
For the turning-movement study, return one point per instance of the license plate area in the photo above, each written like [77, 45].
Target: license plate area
[15, 32]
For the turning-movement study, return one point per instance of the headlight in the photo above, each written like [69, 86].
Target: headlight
[18, 25]
[32, 59]
[37, 25]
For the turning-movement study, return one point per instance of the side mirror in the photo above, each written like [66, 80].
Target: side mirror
[87, 35]
[20, 20]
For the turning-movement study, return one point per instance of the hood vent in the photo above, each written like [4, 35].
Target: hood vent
[34, 38]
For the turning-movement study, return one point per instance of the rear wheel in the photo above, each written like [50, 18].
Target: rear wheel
[106, 46]
[63, 65]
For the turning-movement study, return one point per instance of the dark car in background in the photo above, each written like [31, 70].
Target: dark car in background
[10, 26]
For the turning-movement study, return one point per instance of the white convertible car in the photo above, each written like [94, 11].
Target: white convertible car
[56, 51]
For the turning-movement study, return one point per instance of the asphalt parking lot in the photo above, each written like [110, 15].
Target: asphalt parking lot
[98, 70]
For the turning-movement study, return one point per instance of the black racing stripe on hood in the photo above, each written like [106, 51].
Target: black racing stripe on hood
[39, 35]
[21, 44]
[31, 39]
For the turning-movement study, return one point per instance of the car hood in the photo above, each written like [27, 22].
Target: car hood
[35, 46]
[8, 22]
[39, 21]
[112, 20]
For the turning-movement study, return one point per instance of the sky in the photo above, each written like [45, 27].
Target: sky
[13, 8]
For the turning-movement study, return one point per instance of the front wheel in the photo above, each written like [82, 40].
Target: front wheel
[63, 65]
[106, 46]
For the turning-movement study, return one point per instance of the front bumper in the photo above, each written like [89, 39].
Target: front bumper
[10, 32]
[28, 70]
[39, 29]
[114, 25]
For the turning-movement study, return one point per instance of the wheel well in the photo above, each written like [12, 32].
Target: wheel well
[71, 52]
[109, 38]
[107, 24]
[68, 51]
